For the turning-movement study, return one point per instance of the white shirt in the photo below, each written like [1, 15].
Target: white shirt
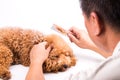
[107, 70]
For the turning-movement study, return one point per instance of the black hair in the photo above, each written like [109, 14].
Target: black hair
[108, 11]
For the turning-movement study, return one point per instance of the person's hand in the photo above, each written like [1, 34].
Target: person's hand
[39, 53]
[80, 38]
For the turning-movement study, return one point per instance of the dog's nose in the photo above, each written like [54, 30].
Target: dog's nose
[65, 66]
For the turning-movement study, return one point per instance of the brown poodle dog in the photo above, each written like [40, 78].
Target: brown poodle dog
[15, 46]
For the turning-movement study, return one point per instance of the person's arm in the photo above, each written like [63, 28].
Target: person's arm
[82, 39]
[38, 55]
[35, 72]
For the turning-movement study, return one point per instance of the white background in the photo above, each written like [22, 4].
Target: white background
[41, 15]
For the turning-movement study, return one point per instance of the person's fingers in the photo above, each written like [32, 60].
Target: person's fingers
[46, 46]
[73, 29]
[69, 36]
[42, 43]
[73, 38]
[75, 32]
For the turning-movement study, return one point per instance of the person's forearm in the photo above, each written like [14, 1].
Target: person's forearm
[35, 72]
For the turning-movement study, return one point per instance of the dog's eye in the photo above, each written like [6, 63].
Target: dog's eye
[57, 56]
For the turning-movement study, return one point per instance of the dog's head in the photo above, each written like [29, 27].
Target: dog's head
[61, 56]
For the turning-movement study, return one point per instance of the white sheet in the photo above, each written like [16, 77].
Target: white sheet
[40, 15]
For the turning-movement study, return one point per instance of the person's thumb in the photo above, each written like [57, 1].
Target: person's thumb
[49, 48]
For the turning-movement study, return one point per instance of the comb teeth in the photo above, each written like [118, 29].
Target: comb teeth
[59, 29]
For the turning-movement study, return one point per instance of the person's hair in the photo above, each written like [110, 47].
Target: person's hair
[108, 11]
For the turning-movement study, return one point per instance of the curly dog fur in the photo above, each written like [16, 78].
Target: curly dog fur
[15, 46]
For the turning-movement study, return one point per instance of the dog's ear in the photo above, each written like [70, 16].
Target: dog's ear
[47, 39]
